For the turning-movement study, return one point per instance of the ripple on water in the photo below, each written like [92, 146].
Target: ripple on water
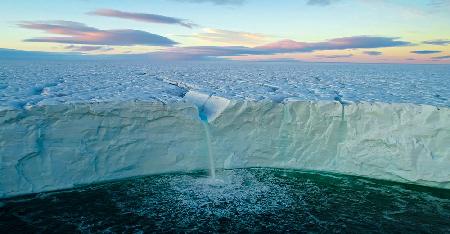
[265, 200]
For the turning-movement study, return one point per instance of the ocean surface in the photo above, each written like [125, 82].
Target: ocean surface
[240, 200]
[24, 84]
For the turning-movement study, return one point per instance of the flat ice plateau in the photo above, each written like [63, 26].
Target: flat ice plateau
[68, 123]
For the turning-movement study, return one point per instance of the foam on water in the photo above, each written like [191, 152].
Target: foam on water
[196, 197]
[254, 200]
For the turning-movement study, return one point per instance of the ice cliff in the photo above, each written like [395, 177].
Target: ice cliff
[53, 147]
[64, 123]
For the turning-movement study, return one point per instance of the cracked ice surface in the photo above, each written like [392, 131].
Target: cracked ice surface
[25, 84]
[69, 123]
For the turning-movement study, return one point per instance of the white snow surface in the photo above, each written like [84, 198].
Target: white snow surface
[26, 83]
[68, 123]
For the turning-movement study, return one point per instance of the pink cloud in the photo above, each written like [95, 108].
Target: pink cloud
[284, 45]
[78, 33]
[356, 42]
[87, 48]
[334, 56]
[142, 17]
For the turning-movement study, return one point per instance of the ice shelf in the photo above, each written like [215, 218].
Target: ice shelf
[52, 147]
[24, 84]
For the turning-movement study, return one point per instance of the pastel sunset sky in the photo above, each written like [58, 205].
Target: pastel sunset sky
[368, 31]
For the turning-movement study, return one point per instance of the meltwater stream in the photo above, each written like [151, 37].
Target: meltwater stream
[208, 110]
[211, 159]
[245, 200]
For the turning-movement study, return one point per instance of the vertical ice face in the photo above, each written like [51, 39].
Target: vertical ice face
[54, 147]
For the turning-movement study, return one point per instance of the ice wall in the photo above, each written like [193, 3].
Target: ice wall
[60, 146]
[399, 142]
[54, 147]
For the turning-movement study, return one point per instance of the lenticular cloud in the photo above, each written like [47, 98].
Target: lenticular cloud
[78, 33]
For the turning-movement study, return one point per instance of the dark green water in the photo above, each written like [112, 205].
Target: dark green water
[244, 200]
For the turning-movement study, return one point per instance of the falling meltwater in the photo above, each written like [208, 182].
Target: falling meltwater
[212, 166]
[211, 159]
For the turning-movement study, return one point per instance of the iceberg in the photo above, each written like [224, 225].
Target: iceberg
[51, 147]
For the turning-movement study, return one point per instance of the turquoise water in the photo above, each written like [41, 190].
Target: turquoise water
[250, 200]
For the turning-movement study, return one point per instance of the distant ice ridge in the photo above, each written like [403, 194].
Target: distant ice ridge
[61, 146]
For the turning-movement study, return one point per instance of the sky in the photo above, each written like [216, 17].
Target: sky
[365, 31]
